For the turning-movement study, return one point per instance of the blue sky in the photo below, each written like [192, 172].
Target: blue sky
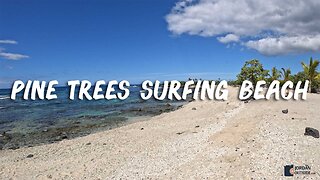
[124, 39]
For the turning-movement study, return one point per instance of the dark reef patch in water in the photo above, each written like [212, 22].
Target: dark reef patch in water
[14, 140]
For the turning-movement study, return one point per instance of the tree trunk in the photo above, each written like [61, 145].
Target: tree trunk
[310, 88]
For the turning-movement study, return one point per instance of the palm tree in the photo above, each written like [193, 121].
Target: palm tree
[286, 74]
[311, 71]
[275, 74]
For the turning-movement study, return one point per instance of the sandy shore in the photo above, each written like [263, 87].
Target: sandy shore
[204, 139]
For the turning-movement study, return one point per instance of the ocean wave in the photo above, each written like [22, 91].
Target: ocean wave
[4, 97]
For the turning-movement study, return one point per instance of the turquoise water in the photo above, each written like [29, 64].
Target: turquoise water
[28, 123]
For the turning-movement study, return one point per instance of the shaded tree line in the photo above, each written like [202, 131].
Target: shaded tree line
[253, 71]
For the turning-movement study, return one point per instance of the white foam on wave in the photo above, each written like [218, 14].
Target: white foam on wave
[4, 97]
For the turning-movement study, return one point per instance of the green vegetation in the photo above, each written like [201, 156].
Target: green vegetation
[311, 73]
[253, 71]
[300, 76]
[275, 75]
[286, 74]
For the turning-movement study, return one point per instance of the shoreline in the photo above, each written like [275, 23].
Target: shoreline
[80, 128]
[203, 139]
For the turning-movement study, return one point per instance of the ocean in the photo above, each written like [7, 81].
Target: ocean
[29, 123]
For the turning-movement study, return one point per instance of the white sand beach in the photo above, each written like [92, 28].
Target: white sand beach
[203, 139]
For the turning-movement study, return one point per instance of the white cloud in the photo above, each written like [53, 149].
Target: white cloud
[285, 44]
[12, 56]
[8, 42]
[228, 38]
[260, 24]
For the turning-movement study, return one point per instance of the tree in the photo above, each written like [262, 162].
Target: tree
[286, 73]
[252, 71]
[311, 72]
[300, 76]
[275, 74]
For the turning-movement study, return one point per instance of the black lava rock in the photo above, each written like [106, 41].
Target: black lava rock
[311, 132]
[285, 111]
[30, 156]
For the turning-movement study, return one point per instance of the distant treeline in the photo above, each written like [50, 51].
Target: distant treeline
[253, 71]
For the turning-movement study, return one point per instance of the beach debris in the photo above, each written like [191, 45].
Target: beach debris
[30, 156]
[89, 143]
[142, 129]
[194, 108]
[104, 144]
[179, 133]
[285, 111]
[311, 132]
[197, 126]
